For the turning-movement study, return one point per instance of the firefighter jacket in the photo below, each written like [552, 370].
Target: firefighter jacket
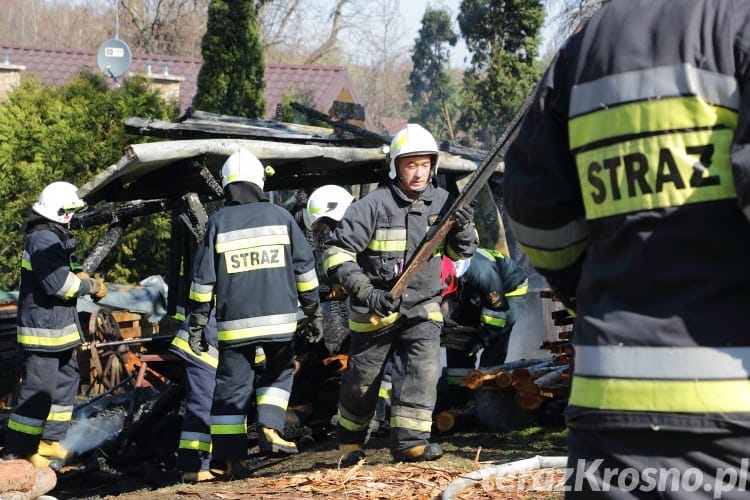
[629, 188]
[496, 279]
[47, 316]
[256, 263]
[378, 235]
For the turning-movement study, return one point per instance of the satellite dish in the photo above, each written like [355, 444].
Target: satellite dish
[114, 57]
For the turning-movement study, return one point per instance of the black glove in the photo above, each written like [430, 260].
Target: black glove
[473, 347]
[464, 215]
[313, 331]
[381, 302]
[196, 333]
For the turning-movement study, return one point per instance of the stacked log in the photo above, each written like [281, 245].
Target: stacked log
[456, 419]
[533, 380]
[494, 377]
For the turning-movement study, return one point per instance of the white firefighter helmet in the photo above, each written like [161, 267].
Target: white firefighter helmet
[243, 166]
[58, 202]
[327, 201]
[413, 140]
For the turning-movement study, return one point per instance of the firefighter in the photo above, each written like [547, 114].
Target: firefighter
[48, 328]
[325, 208]
[492, 292]
[194, 448]
[628, 186]
[255, 263]
[366, 254]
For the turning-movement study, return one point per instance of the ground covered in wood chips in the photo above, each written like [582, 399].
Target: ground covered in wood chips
[315, 473]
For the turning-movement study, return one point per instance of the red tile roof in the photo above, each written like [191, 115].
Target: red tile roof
[323, 83]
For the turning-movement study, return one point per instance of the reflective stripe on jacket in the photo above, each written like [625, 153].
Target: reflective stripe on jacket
[378, 236]
[629, 188]
[258, 265]
[47, 317]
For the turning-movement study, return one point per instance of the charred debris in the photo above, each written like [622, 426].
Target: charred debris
[131, 388]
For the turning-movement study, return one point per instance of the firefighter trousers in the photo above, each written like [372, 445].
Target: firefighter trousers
[235, 381]
[194, 449]
[44, 406]
[657, 464]
[416, 346]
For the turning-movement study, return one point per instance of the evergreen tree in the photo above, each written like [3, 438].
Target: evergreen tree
[503, 38]
[433, 98]
[231, 79]
[70, 133]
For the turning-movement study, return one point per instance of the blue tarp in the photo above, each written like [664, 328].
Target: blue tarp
[150, 297]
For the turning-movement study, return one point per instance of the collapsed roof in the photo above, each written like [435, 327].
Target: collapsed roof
[302, 157]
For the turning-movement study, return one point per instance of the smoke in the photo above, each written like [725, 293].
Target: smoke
[89, 433]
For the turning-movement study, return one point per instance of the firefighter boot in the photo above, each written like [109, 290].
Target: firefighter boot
[197, 477]
[351, 454]
[39, 461]
[270, 441]
[54, 450]
[237, 469]
[421, 453]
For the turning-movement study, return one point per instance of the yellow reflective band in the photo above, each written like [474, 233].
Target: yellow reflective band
[555, 259]
[182, 345]
[491, 320]
[358, 327]
[521, 290]
[388, 245]
[685, 396]
[194, 445]
[384, 393]
[62, 416]
[26, 264]
[24, 428]
[452, 254]
[252, 242]
[35, 340]
[273, 400]
[435, 316]
[256, 331]
[337, 259]
[411, 423]
[179, 316]
[679, 113]
[656, 172]
[228, 429]
[348, 424]
[259, 358]
[306, 286]
[252, 259]
[200, 297]
[70, 288]
[490, 253]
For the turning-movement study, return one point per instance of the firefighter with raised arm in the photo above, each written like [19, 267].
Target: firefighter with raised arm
[48, 328]
[257, 266]
[628, 186]
[366, 254]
